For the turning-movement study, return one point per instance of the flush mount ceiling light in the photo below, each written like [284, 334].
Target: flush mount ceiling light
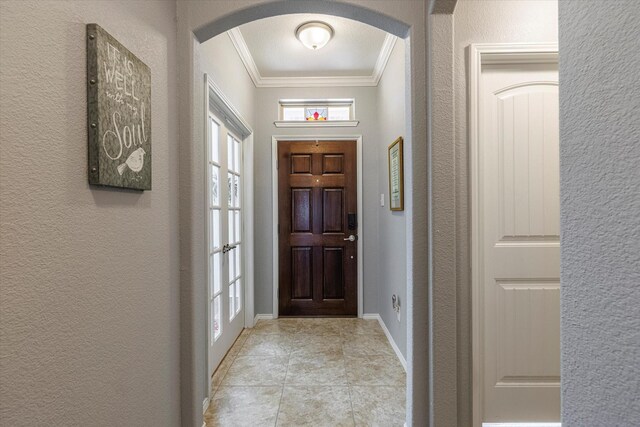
[314, 35]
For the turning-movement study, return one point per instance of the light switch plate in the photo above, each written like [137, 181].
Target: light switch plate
[382, 199]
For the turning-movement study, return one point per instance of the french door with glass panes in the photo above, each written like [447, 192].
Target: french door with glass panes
[224, 224]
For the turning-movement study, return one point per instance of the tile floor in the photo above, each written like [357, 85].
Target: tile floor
[309, 372]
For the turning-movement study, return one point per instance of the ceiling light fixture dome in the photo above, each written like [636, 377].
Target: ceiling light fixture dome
[314, 35]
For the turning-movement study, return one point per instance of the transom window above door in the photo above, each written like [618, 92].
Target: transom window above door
[316, 113]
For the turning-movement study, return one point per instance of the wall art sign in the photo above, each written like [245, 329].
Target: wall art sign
[118, 113]
[396, 176]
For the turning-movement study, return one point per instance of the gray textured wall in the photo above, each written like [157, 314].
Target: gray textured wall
[488, 21]
[600, 212]
[89, 325]
[392, 257]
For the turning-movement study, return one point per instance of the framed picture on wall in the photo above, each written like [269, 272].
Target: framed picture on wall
[396, 176]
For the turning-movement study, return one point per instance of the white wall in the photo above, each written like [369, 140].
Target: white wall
[89, 327]
[600, 212]
[259, 106]
[380, 111]
[266, 114]
[392, 256]
[223, 64]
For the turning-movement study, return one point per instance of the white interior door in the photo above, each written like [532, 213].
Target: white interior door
[224, 226]
[519, 248]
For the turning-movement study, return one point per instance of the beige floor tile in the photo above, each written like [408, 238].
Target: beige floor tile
[244, 406]
[256, 371]
[315, 406]
[222, 370]
[314, 360]
[278, 326]
[320, 327]
[315, 344]
[266, 345]
[350, 327]
[378, 406]
[237, 346]
[366, 345]
[245, 332]
[374, 370]
[318, 369]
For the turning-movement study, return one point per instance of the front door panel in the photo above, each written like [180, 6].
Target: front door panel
[316, 193]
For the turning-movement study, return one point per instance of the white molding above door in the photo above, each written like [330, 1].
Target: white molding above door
[483, 54]
[274, 192]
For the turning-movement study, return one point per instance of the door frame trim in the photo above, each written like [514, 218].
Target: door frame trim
[274, 180]
[482, 54]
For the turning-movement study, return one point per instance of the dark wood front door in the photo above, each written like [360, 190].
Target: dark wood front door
[317, 201]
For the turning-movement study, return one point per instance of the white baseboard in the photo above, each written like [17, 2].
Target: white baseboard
[371, 316]
[262, 317]
[376, 316]
[205, 404]
[521, 424]
[205, 408]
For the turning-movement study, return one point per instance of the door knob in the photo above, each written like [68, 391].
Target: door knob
[227, 248]
[351, 238]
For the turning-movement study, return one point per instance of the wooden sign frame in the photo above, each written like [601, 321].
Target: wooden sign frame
[396, 175]
[118, 113]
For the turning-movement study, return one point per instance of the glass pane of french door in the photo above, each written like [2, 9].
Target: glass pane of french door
[224, 244]
[215, 230]
[234, 225]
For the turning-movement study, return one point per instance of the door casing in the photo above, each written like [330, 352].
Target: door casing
[480, 54]
[274, 177]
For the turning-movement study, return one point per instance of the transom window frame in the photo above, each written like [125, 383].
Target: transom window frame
[306, 104]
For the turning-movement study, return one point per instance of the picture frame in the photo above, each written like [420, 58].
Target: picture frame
[396, 175]
[118, 113]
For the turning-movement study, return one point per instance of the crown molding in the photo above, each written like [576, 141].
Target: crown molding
[243, 51]
[259, 81]
[383, 58]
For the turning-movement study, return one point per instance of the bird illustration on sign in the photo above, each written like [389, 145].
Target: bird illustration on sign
[134, 162]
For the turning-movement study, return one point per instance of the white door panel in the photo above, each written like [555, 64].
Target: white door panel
[224, 224]
[520, 251]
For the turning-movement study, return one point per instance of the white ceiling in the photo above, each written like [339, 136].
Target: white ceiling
[356, 55]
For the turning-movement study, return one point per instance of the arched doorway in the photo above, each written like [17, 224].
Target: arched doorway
[199, 21]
